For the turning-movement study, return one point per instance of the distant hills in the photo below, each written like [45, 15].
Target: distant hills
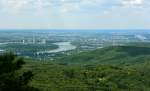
[115, 55]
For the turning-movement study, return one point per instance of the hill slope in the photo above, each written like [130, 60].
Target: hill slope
[119, 55]
[50, 76]
[55, 77]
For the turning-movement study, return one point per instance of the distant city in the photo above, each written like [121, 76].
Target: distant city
[54, 44]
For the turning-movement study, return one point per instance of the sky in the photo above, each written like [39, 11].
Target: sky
[74, 14]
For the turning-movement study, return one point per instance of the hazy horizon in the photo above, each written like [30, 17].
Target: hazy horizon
[38, 29]
[74, 14]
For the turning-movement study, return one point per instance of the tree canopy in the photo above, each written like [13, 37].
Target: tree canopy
[10, 79]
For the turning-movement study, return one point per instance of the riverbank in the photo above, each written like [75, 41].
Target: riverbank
[62, 46]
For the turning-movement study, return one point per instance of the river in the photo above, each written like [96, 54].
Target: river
[62, 46]
[1, 50]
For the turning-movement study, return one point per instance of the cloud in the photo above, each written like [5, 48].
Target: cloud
[69, 7]
[92, 2]
[12, 4]
[132, 3]
[20, 5]
[64, 6]
[74, 13]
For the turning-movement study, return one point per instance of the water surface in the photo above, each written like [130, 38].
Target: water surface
[62, 46]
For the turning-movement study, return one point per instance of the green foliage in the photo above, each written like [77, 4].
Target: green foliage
[116, 55]
[10, 79]
[69, 73]
[123, 68]
[50, 76]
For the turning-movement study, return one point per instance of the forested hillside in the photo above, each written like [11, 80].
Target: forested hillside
[57, 77]
[116, 55]
[122, 68]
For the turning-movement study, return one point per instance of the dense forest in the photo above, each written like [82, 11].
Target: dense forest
[121, 68]
[115, 55]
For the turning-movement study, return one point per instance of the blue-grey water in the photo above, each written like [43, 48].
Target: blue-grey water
[62, 46]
